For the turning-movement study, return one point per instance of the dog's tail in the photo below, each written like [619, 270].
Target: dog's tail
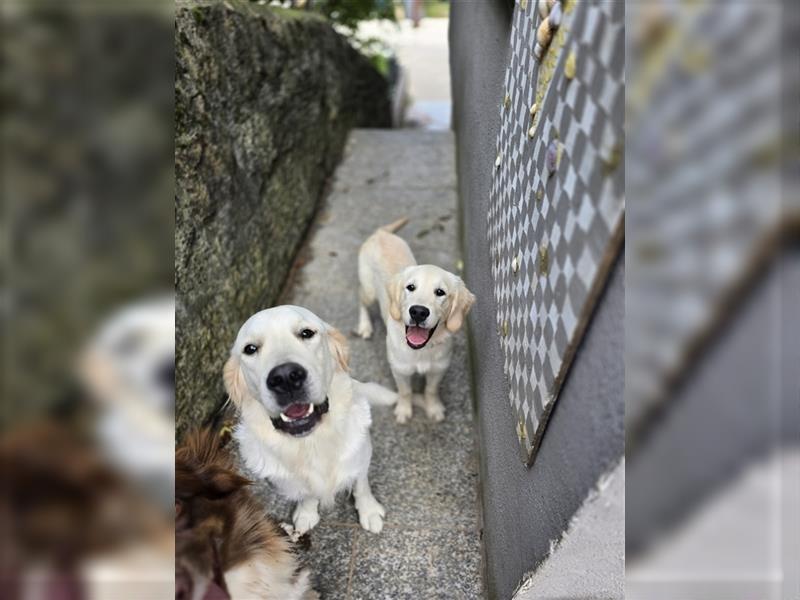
[376, 394]
[395, 226]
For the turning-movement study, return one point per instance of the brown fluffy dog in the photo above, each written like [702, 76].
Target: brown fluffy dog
[68, 518]
[226, 545]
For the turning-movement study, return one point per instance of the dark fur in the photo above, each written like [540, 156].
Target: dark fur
[61, 503]
[218, 522]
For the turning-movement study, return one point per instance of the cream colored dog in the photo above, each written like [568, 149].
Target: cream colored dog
[422, 306]
[304, 422]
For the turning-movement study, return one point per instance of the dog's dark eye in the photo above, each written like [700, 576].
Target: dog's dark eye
[250, 349]
[307, 334]
[439, 292]
[411, 287]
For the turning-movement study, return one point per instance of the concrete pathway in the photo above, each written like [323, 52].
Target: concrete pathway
[589, 560]
[425, 474]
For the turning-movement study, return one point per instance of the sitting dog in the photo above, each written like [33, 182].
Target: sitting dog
[422, 306]
[226, 546]
[128, 368]
[304, 423]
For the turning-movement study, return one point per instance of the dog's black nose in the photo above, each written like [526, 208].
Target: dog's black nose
[418, 313]
[166, 375]
[286, 378]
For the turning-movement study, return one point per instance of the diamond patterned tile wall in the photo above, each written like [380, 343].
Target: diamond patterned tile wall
[556, 210]
[706, 178]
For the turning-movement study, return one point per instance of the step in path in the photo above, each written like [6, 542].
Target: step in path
[425, 474]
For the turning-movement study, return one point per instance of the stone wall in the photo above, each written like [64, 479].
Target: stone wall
[264, 100]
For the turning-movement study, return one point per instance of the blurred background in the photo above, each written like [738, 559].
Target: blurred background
[711, 323]
[406, 41]
[87, 421]
[711, 273]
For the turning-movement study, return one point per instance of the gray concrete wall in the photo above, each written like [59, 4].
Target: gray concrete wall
[523, 509]
[736, 406]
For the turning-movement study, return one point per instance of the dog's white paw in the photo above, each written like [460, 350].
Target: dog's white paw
[402, 411]
[363, 331]
[293, 534]
[435, 411]
[304, 520]
[370, 515]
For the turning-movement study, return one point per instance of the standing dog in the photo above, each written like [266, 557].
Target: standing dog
[422, 306]
[304, 422]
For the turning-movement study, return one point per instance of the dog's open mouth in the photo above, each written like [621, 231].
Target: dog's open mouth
[299, 418]
[417, 337]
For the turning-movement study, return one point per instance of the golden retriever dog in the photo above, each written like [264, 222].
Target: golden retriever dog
[128, 369]
[422, 306]
[226, 545]
[304, 422]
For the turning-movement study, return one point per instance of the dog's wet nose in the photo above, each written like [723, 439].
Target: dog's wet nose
[418, 313]
[286, 378]
[166, 375]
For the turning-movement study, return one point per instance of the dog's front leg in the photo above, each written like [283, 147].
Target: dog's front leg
[364, 329]
[433, 405]
[402, 411]
[370, 511]
[306, 515]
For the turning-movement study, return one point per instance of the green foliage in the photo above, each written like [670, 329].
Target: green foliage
[346, 13]
[349, 13]
[376, 50]
[437, 9]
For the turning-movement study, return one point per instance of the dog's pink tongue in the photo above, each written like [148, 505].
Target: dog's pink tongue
[295, 411]
[417, 335]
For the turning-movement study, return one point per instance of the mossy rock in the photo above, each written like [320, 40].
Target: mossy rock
[263, 106]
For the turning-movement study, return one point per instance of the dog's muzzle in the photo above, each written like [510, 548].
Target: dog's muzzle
[417, 337]
[300, 418]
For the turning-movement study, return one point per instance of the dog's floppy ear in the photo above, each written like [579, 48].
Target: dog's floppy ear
[221, 482]
[234, 381]
[207, 481]
[339, 348]
[395, 289]
[461, 301]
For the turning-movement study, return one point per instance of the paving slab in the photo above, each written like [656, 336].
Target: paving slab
[587, 562]
[425, 564]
